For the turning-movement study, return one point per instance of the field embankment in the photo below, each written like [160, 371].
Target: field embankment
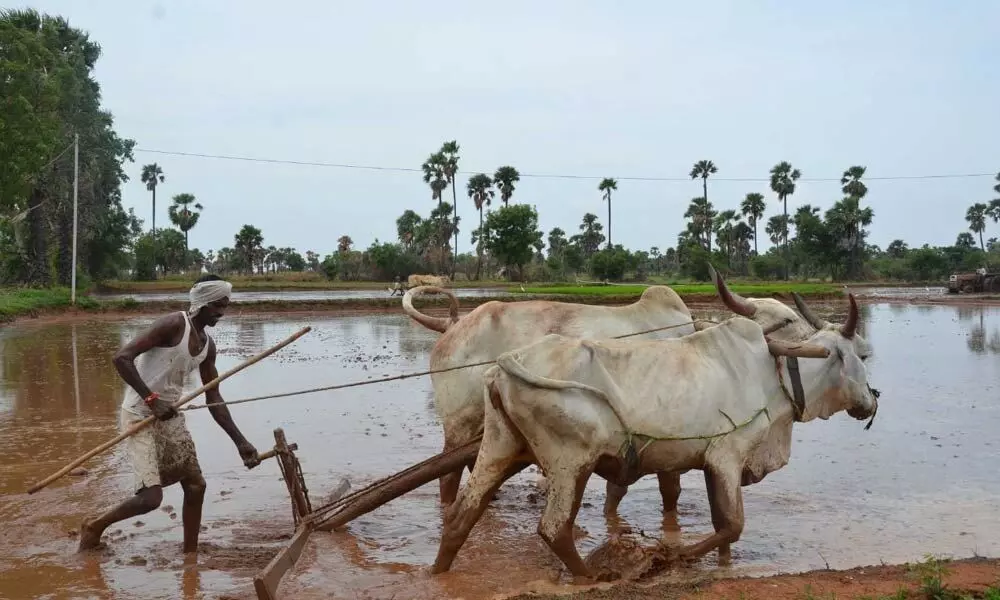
[965, 579]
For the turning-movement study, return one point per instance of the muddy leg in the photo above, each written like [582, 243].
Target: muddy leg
[670, 491]
[145, 500]
[614, 494]
[726, 500]
[463, 514]
[448, 484]
[194, 498]
[497, 461]
[561, 506]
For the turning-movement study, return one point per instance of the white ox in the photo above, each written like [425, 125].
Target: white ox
[719, 400]
[436, 280]
[496, 327]
[779, 322]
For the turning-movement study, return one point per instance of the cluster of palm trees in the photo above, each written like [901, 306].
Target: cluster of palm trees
[439, 173]
[180, 210]
[734, 235]
[977, 214]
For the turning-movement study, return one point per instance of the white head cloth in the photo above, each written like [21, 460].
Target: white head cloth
[206, 292]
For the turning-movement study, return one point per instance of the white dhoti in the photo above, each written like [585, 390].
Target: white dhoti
[161, 453]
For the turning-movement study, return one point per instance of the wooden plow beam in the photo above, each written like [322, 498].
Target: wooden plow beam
[340, 509]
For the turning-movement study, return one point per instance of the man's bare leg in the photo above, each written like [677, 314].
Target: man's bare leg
[145, 500]
[194, 497]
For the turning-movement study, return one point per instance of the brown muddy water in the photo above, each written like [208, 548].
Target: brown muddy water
[922, 480]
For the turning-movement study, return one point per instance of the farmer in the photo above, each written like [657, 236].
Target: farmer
[154, 365]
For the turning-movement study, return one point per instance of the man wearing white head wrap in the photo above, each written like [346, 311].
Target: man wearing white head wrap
[155, 365]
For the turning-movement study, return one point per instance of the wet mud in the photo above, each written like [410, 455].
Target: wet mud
[922, 480]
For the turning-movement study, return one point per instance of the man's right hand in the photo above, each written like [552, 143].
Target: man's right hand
[163, 410]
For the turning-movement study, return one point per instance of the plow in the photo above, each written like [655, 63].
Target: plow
[341, 507]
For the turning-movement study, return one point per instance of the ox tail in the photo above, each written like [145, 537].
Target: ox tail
[510, 365]
[439, 324]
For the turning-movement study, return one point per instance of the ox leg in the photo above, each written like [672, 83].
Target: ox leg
[448, 484]
[614, 494]
[726, 500]
[566, 487]
[670, 491]
[497, 462]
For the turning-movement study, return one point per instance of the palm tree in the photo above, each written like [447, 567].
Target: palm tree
[854, 188]
[152, 175]
[607, 186]
[852, 184]
[182, 216]
[505, 178]
[704, 168]
[435, 177]
[995, 203]
[783, 178]
[723, 227]
[777, 228]
[976, 216]
[480, 189]
[742, 234]
[701, 213]
[753, 209]
[449, 154]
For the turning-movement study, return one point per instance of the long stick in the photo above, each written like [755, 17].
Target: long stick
[184, 400]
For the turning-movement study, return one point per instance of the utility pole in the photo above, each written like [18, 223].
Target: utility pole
[76, 189]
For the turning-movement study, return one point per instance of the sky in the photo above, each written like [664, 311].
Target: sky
[564, 87]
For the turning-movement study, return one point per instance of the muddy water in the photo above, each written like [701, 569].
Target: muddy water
[923, 479]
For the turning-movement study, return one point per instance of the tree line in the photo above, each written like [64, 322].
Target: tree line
[46, 77]
[50, 95]
[808, 243]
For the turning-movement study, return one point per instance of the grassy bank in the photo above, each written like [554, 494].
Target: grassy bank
[275, 282]
[17, 303]
[314, 281]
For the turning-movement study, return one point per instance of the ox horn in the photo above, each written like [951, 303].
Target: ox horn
[733, 301]
[851, 326]
[797, 350]
[807, 312]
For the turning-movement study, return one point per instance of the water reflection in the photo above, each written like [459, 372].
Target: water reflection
[984, 335]
[923, 479]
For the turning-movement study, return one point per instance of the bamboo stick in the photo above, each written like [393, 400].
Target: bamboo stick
[184, 400]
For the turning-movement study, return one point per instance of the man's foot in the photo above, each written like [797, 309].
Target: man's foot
[90, 536]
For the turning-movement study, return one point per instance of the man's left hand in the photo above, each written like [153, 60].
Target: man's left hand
[248, 453]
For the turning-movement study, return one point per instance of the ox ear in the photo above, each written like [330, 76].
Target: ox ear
[732, 301]
[797, 350]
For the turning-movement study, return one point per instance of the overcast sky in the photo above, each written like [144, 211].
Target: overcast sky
[617, 89]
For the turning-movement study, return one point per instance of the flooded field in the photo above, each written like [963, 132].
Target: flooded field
[922, 480]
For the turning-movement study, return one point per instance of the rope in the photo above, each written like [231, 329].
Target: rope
[403, 376]
[652, 438]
